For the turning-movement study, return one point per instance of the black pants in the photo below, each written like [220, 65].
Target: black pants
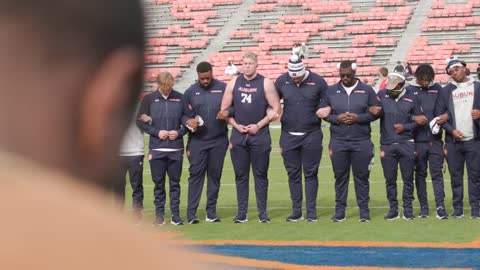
[254, 151]
[205, 157]
[302, 152]
[357, 156]
[163, 163]
[457, 155]
[392, 155]
[429, 154]
[134, 166]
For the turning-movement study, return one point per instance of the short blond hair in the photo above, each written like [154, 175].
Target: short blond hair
[165, 80]
[251, 55]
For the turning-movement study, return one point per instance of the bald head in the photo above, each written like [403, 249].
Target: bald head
[70, 73]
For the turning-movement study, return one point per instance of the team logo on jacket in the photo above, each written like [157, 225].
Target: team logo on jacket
[216, 91]
[310, 83]
[175, 99]
[360, 91]
[407, 99]
[197, 93]
[157, 100]
[433, 91]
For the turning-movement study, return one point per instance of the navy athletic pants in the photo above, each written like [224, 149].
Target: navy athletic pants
[162, 163]
[429, 154]
[205, 157]
[134, 166]
[457, 154]
[302, 152]
[356, 155]
[392, 155]
[246, 150]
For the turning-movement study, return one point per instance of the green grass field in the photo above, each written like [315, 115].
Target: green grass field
[279, 206]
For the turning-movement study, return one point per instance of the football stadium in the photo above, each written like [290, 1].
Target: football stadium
[372, 34]
[266, 134]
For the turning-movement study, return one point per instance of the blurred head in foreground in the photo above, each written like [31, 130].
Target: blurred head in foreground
[70, 73]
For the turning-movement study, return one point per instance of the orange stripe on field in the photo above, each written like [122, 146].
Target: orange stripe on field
[474, 244]
[237, 261]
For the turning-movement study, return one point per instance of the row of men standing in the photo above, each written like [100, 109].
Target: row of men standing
[250, 101]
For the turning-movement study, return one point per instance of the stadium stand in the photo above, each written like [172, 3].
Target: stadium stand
[177, 31]
[368, 31]
[365, 31]
[450, 29]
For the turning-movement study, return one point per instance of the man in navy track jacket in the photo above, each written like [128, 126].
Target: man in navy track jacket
[428, 146]
[207, 141]
[301, 136]
[350, 141]
[160, 116]
[397, 126]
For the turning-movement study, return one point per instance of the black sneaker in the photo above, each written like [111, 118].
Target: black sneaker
[338, 217]
[475, 213]
[176, 220]
[263, 218]
[423, 212]
[408, 214]
[159, 221]
[311, 218]
[441, 213]
[294, 217]
[213, 218]
[457, 213]
[193, 220]
[240, 218]
[364, 216]
[392, 215]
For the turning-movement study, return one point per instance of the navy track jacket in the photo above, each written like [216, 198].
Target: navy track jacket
[397, 112]
[166, 114]
[205, 103]
[301, 102]
[426, 99]
[361, 98]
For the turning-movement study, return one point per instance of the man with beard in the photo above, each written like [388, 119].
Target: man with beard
[351, 146]
[301, 137]
[397, 109]
[207, 141]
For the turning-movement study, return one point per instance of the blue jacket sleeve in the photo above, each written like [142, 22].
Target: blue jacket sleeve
[416, 110]
[410, 126]
[187, 109]
[145, 109]
[325, 102]
[367, 117]
[441, 107]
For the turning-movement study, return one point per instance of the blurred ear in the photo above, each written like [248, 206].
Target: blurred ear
[106, 106]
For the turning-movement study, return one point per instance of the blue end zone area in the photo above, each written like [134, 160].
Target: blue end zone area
[355, 256]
